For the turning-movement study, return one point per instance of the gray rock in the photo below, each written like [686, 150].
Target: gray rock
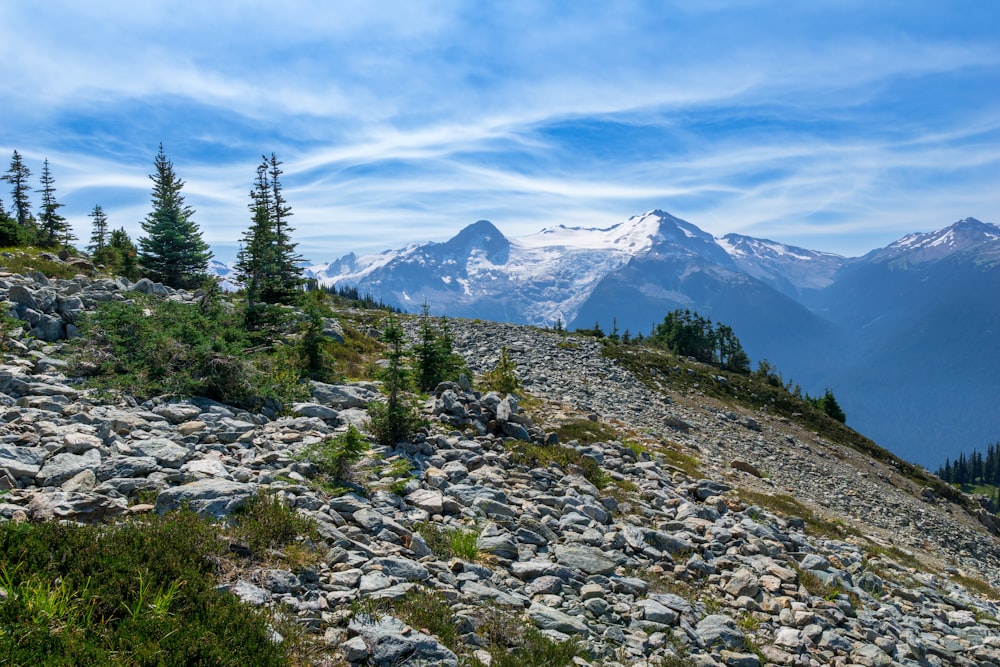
[126, 466]
[250, 593]
[653, 611]
[61, 467]
[402, 568]
[215, 497]
[84, 507]
[586, 559]
[314, 410]
[344, 396]
[392, 642]
[167, 453]
[547, 618]
[719, 631]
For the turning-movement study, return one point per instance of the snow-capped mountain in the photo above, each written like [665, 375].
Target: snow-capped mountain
[788, 269]
[965, 236]
[537, 278]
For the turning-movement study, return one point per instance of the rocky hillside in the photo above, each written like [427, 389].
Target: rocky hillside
[603, 516]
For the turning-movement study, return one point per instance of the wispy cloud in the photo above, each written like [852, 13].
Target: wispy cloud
[838, 124]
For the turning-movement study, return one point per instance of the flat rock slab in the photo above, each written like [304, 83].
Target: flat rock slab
[547, 618]
[590, 560]
[85, 507]
[392, 642]
[215, 497]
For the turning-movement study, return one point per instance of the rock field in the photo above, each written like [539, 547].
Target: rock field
[663, 566]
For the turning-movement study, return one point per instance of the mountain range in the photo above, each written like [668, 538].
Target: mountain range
[906, 335]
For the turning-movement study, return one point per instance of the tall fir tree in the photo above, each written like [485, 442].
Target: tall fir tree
[289, 276]
[172, 252]
[99, 235]
[52, 227]
[257, 262]
[267, 265]
[17, 175]
[122, 254]
[10, 232]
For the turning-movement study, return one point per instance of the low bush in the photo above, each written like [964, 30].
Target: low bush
[139, 592]
[334, 457]
[151, 347]
[532, 455]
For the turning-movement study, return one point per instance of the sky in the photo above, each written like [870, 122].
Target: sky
[837, 126]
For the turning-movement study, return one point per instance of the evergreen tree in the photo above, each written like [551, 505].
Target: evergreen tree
[434, 354]
[832, 408]
[392, 421]
[257, 262]
[18, 176]
[99, 235]
[53, 227]
[122, 255]
[289, 270]
[267, 265]
[10, 231]
[172, 252]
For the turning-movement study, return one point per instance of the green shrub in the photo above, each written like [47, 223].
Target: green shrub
[532, 455]
[334, 456]
[152, 347]
[503, 377]
[428, 610]
[513, 643]
[448, 543]
[265, 522]
[140, 592]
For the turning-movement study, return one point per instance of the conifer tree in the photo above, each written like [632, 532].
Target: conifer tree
[257, 261]
[267, 265]
[10, 232]
[289, 270]
[17, 175]
[123, 254]
[99, 235]
[53, 227]
[172, 252]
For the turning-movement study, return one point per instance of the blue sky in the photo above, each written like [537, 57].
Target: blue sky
[837, 126]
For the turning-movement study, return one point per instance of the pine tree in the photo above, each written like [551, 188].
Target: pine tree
[53, 228]
[122, 255]
[99, 236]
[289, 270]
[257, 261]
[172, 252]
[18, 176]
[10, 232]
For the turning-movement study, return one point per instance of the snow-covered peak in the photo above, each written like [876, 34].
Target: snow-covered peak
[632, 236]
[787, 268]
[739, 246]
[963, 235]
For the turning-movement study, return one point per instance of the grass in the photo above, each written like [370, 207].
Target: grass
[26, 260]
[683, 461]
[976, 585]
[509, 640]
[586, 432]
[333, 458]
[788, 506]
[356, 358]
[138, 592]
[539, 456]
[265, 524]
[446, 543]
